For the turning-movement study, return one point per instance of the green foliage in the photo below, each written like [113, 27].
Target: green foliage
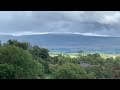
[0, 43]
[93, 59]
[20, 62]
[91, 76]
[39, 52]
[109, 62]
[80, 53]
[7, 71]
[23, 45]
[53, 67]
[99, 72]
[60, 59]
[70, 71]
[41, 55]
[45, 64]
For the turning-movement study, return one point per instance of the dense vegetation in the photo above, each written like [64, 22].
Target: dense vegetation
[20, 60]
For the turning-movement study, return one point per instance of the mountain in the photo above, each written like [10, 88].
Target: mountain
[68, 41]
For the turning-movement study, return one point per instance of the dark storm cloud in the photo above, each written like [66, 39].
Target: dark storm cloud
[90, 22]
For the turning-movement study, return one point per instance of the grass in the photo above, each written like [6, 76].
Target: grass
[72, 55]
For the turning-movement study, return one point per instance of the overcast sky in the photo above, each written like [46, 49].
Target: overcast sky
[106, 23]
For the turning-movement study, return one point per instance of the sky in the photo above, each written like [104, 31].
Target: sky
[93, 23]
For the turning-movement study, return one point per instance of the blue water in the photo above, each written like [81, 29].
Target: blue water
[90, 50]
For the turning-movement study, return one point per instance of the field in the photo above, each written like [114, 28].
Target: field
[74, 55]
[109, 55]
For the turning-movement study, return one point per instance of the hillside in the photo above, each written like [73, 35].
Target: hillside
[68, 41]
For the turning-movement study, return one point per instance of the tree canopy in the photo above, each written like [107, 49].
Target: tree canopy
[20, 60]
[71, 71]
[18, 63]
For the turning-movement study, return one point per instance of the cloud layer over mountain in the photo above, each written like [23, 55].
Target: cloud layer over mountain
[80, 22]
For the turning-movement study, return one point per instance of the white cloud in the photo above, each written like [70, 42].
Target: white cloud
[111, 19]
[93, 34]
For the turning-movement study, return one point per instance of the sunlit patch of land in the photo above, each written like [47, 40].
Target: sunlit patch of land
[75, 55]
[109, 55]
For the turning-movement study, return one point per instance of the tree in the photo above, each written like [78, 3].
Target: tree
[7, 71]
[60, 59]
[10, 42]
[70, 71]
[18, 64]
[0, 43]
[117, 63]
[93, 59]
[99, 73]
[109, 62]
[80, 53]
[23, 45]
[39, 52]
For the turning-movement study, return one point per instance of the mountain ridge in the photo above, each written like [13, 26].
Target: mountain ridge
[68, 39]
